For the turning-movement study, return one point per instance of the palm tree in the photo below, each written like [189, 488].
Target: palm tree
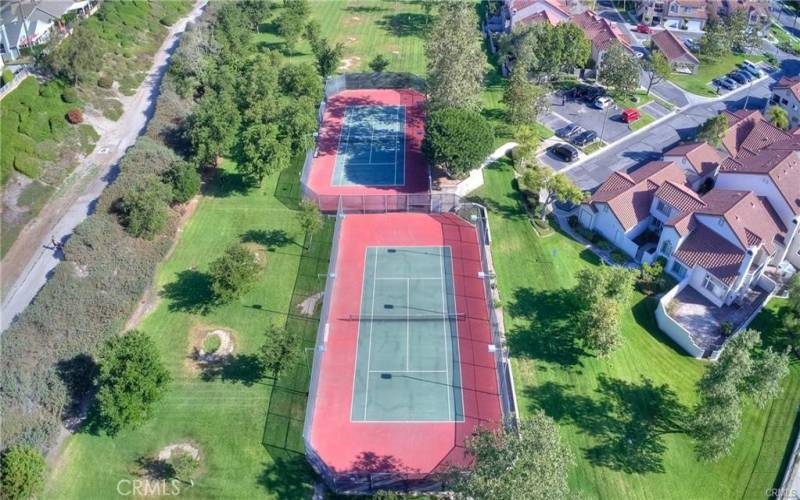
[778, 117]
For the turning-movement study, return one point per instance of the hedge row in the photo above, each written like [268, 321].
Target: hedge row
[46, 361]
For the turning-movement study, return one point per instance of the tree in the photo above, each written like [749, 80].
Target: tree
[313, 33]
[131, 380]
[778, 117]
[22, 473]
[532, 463]
[144, 208]
[309, 217]
[657, 68]
[280, 351]
[379, 63]
[736, 28]
[264, 152]
[182, 465]
[78, 58]
[233, 273]
[327, 56]
[791, 318]
[714, 42]
[298, 123]
[184, 179]
[457, 140]
[524, 100]
[291, 22]
[557, 186]
[524, 152]
[713, 130]
[456, 61]
[742, 370]
[599, 327]
[301, 80]
[213, 127]
[619, 70]
[256, 11]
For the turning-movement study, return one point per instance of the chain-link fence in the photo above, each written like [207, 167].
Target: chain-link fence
[351, 81]
[366, 482]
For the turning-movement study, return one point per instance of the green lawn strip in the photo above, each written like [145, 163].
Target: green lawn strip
[644, 120]
[394, 29]
[639, 99]
[601, 405]
[786, 40]
[662, 102]
[700, 82]
[227, 416]
[595, 146]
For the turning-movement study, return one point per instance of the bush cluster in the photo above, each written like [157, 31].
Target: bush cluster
[105, 82]
[69, 95]
[75, 116]
[46, 364]
[7, 76]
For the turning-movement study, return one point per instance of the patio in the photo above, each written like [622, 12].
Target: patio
[702, 319]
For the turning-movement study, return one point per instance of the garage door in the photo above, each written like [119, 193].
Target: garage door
[695, 25]
[672, 23]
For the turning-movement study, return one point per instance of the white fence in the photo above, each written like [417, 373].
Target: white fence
[14, 83]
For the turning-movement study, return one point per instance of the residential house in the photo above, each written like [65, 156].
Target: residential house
[786, 94]
[602, 33]
[757, 11]
[679, 57]
[699, 161]
[674, 14]
[27, 23]
[521, 12]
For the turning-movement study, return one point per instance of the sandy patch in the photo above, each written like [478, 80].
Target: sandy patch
[349, 63]
[258, 251]
[198, 359]
[167, 452]
[308, 304]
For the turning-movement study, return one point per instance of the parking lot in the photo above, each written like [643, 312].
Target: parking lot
[607, 123]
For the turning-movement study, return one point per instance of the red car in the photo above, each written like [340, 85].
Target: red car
[630, 115]
[643, 28]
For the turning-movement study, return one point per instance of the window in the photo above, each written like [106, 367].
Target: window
[678, 269]
[713, 285]
[666, 247]
[662, 207]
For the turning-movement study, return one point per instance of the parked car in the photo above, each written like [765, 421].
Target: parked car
[737, 77]
[643, 28]
[750, 65]
[602, 102]
[564, 151]
[756, 72]
[691, 45]
[584, 138]
[588, 92]
[727, 83]
[569, 131]
[630, 115]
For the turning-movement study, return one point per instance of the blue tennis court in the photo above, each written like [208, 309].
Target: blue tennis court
[407, 362]
[371, 150]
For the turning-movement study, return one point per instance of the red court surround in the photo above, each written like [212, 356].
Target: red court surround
[347, 446]
[416, 169]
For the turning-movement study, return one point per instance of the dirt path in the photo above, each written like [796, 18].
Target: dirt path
[29, 261]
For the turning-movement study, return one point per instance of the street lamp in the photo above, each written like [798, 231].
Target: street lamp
[605, 119]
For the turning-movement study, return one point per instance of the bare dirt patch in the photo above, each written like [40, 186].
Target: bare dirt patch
[166, 453]
[349, 63]
[12, 213]
[258, 252]
[309, 304]
[199, 335]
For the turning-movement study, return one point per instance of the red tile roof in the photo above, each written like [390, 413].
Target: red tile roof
[703, 158]
[740, 124]
[712, 252]
[543, 16]
[600, 31]
[672, 48]
[629, 196]
[780, 161]
[793, 84]
[679, 196]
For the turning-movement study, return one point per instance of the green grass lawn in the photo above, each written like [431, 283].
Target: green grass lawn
[366, 28]
[593, 147]
[248, 430]
[786, 41]
[700, 82]
[644, 120]
[617, 414]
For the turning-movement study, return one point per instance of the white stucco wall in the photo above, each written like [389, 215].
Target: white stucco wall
[792, 105]
[696, 277]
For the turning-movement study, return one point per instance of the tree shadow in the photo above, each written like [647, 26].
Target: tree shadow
[288, 477]
[77, 374]
[405, 24]
[190, 292]
[224, 184]
[245, 369]
[550, 334]
[365, 8]
[644, 315]
[154, 468]
[272, 238]
[628, 420]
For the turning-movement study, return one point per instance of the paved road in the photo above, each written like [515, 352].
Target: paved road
[639, 148]
[110, 148]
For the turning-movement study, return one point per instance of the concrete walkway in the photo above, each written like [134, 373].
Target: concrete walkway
[31, 259]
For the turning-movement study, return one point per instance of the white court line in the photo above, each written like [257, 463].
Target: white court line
[408, 323]
[371, 140]
[458, 340]
[396, 121]
[369, 350]
[397, 278]
[408, 371]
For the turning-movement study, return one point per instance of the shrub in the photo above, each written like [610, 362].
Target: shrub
[586, 234]
[572, 221]
[457, 140]
[27, 165]
[184, 179]
[69, 95]
[75, 116]
[233, 273]
[168, 20]
[22, 469]
[144, 208]
[618, 257]
[50, 89]
[603, 244]
[7, 76]
[105, 82]
[726, 328]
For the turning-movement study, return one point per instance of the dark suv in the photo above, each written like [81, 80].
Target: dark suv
[564, 152]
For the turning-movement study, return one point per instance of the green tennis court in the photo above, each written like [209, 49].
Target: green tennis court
[407, 360]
